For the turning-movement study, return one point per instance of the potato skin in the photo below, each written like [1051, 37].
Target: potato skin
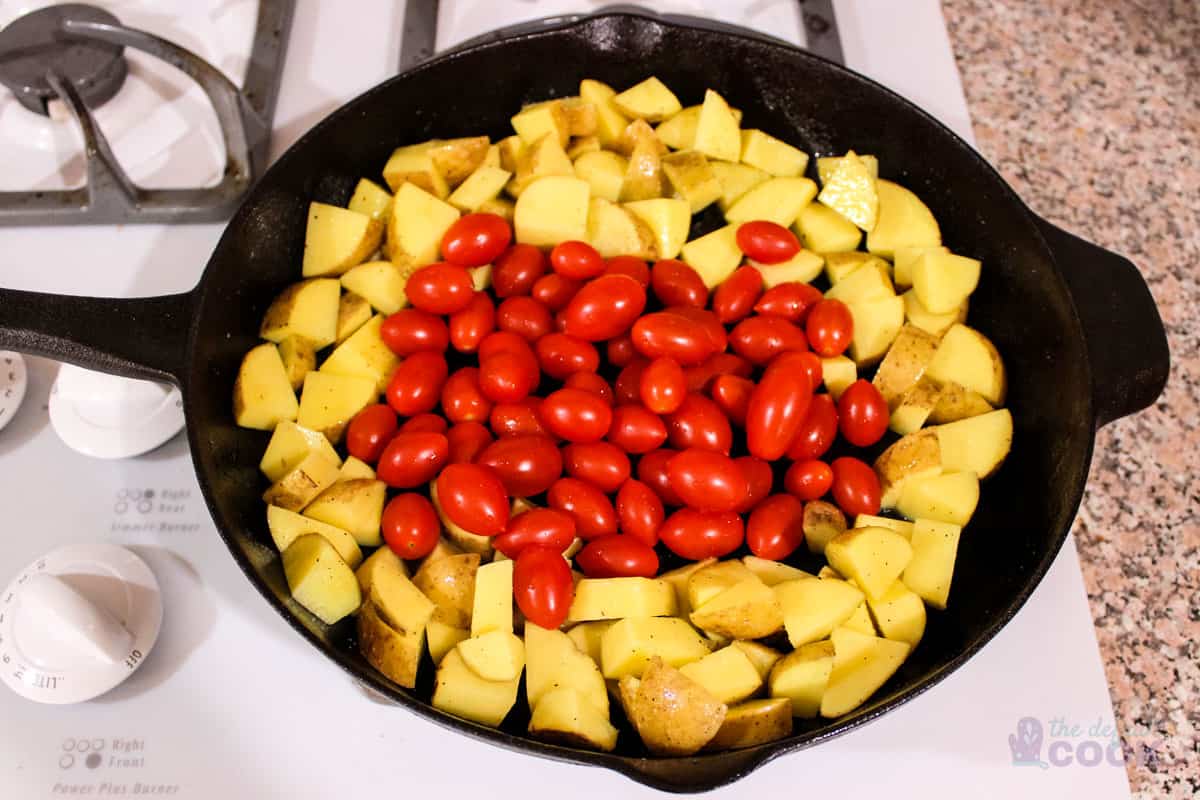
[450, 583]
[673, 714]
[753, 723]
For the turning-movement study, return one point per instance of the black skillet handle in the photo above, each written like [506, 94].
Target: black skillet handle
[140, 338]
[701, 774]
[1126, 340]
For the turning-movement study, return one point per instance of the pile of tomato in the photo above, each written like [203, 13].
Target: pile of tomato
[707, 393]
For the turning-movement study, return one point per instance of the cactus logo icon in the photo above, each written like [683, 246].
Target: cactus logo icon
[1026, 744]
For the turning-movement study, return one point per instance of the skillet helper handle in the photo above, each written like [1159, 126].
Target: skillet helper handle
[701, 774]
[143, 338]
[1125, 337]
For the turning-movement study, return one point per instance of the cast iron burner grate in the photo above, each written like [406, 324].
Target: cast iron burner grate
[75, 53]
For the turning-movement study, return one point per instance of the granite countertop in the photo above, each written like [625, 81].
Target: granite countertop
[1091, 110]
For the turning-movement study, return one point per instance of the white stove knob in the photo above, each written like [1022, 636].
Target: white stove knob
[77, 622]
[109, 417]
[13, 380]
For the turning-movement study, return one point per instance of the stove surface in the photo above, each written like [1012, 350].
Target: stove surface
[232, 703]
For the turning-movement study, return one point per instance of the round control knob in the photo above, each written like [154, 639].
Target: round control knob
[77, 622]
[109, 417]
[13, 380]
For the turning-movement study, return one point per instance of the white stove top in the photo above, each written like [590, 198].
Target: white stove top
[232, 703]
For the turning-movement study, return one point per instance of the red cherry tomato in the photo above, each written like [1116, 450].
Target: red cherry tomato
[555, 291]
[697, 535]
[855, 486]
[463, 400]
[577, 260]
[807, 362]
[412, 459]
[700, 377]
[759, 339]
[469, 326]
[619, 351]
[602, 464]
[467, 440]
[517, 269]
[526, 465]
[425, 423]
[776, 528]
[576, 415]
[676, 284]
[635, 430]
[792, 301]
[473, 240]
[759, 477]
[604, 308]
[632, 266]
[562, 355]
[543, 586]
[663, 386]
[440, 288]
[591, 509]
[808, 480]
[652, 471]
[862, 414]
[817, 432]
[591, 382]
[699, 422]
[410, 526]
[369, 432]
[639, 512]
[473, 497]
[509, 375]
[543, 527]
[767, 242]
[628, 386]
[777, 408]
[707, 325]
[522, 418]
[501, 342]
[525, 317]
[734, 299]
[707, 481]
[732, 395]
[617, 557]
[830, 328]
[410, 331]
[416, 386]
[672, 335]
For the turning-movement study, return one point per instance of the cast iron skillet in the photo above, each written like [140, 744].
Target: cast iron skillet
[1076, 324]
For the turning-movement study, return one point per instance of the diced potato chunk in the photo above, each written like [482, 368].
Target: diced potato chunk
[617, 598]
[493, 605]
[728, 674]
[950, 497]
[541, 159]
[364, 355]
[459, 691]
[773, 572]
[935, 549]
[812, 607]
[371, 199]
[735, 180]
[380, 283]
[822, 522]
[746, 610]
[628, 646]
[863, 285]
[419, 221]
[801, 677]
[548, 118]
[353, 312]
[290, 444]
[552, 210]
[902, 221]
[308, 309]
[900, 526]
[839, 265]
[414, 164]
[917, 455]
[679, 132]
[495, 655]
[604, 172]
[828, 165]
[717, 134]
[565, 716]
[482, 185]
[552, 661]
[616, 231]
[969, 358]
[904, 363]
[384, 559]
[337, 239]
[860, 620]
[669, 221]
[714, 256]
[876, 325]
[679, 579]
[319, 579]
[299, 358]
[649, 100]
[263, 395]
[904, 258]
[824, 230]
[872, 557]
[900, 614]
[850, 191]
[803, 267]
[328, 402]
[692, 178]
[977, 444]
[861, 664]
[943, 281]
[442, 638]
[926, 320]
[287, 526]
[706, 583]
[303, 483]
[355, 506]
[772, 155]
[776, 199]
[838, 373]
[610, 122]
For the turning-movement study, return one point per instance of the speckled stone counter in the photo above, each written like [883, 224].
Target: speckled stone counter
[1091, 110]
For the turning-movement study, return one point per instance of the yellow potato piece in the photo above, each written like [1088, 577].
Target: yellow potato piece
[812, 607]
[905, 363]
[900, 526]
[287, 526]
[926, 320]
[303, 483]
[328, 402]
[587, 637]
[860, 620]
[706, 583]
[773, 572]
[804, 267]
[917, 455]
[801, 677]
[747, 610]
[459, 691]
[493, 603]
[876, 324]
[944, 281]
[610, 122]
[419, 221]
[539, 120]
[319, 579]
[828, 165]
[872, 557]
[552, 210]
[604, 172]
[863, 285]
[541, 159]
[969, 358]
[902, 221]
[308, 309]
[717, 134]
[673, 714]
[735, 180]
[728, 674]
[616, 231]
[679, 578]
[935, 549]
[837, 374]
[905, 257]
[364, 355]
[900, 614]
[337, 239]
[692, 179]
[957, 402]
[772, 155]
[861, 665]
[714, 256]
[384, 559]
[494, 656]
[450, 584]
[977, 444]
[629, 645]
[565, 716]
[839, 265]
[617, 598]
[371, 199]
[850, 191]
[775, 199]
[482, 185]
[668, 220]
[914, 407]
[649, 100]
[442, 638]
[262, 394]
[824, 230]
[822, 522]
[355, 506]
[679, 132]
[414, 164]
[949, 497]
[552, 661]
[353, 312]
[290, 444]
[380, 283]
[299, 358]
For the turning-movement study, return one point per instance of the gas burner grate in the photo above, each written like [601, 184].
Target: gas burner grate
[75, 53]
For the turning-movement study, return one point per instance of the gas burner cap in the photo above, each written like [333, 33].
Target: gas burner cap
[109, 417]
[35, 44]
[77, 622]
[13, 380]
